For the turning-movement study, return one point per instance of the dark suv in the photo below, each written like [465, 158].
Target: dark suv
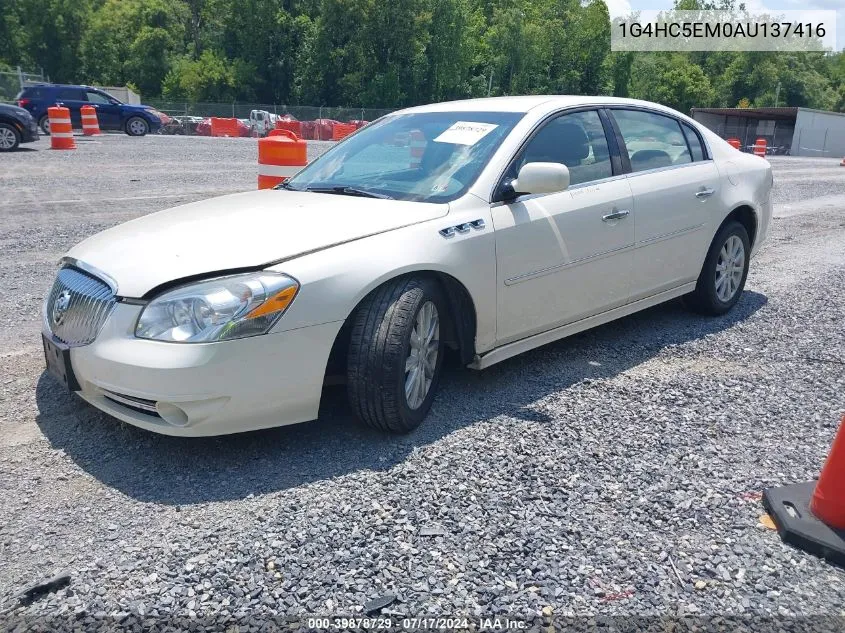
[135, 120]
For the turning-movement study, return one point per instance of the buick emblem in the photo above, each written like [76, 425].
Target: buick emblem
[60, 308]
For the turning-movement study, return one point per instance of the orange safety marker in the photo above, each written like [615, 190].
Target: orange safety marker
[341, 130]
[759, 147]
[61, 131]
[224, 127]
[281, 154]
[811, 515]
[734, 142]
[828, 502]
[90, 125]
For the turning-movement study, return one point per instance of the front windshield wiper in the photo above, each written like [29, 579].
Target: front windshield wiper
[286, 185]
[349, 191]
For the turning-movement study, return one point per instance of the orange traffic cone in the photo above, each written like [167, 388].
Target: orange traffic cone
[811, 515]
[61, 131]
[90, 125]
[828, 502]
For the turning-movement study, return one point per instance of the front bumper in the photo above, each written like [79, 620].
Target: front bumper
[206, 388]
[28, 131]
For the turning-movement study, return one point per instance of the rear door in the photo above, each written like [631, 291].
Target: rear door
[73, 99]
[675, 188]
[564, 256]
[108, 109]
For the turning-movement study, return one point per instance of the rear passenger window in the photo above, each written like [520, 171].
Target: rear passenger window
[694, 142]
[653, 141]
[70, 94]
[577, 140]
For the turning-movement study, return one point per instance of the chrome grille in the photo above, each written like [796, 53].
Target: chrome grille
[142, 405]
[84, 304]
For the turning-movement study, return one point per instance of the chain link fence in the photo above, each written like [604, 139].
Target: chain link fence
[191, 118]
[242, 110]
[13, 81]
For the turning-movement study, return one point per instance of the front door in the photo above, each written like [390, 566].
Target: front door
[72, 99]
[108, 109]
[564, 256]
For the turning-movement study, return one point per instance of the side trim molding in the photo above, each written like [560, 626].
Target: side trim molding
[504, 352]
[576, 262]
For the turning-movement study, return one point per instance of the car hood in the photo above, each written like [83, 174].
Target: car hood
[15, 110]
[245, 230]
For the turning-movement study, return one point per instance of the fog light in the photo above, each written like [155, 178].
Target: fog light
[172, 414]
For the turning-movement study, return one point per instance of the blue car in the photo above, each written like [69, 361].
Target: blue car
[135, 120]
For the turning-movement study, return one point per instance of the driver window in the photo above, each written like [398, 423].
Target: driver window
[577, 140]
[401, 151]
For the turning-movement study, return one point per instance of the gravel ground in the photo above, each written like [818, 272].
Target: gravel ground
[615, 473]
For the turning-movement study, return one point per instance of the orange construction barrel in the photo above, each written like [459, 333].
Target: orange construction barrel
[760, 147]
[90, 125]
[734, 142]
[280, 155]
[61, 131]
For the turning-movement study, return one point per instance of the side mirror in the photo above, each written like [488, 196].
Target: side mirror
[541, 178]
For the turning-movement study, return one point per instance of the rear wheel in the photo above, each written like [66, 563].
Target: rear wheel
[725, 270]
[136, 126]
[395, 354]
[9, 137]
[44, 124]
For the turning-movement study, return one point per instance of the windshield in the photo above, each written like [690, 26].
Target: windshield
[424, 157]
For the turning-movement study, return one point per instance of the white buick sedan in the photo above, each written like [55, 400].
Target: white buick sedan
[486, 227]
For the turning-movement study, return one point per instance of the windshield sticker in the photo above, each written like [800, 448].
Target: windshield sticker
[465, 133]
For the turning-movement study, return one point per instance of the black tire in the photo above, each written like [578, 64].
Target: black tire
[379, 347]
[137, 126]
[44, 125]
[704, 299]
[10, 138]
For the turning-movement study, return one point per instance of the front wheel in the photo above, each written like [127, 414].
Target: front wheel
[395, 354]
[725, 270]
[9, 138]
[136, 126]
[44, 124]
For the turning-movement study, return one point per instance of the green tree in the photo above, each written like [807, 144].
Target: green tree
[210, 78]
[670, 79]
[133, 41]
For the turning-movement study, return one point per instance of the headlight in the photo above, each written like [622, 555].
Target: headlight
[161, 116]
[219, 309]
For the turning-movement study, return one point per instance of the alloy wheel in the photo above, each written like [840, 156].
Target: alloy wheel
[729, 268]
[422, 357]
[7, 138]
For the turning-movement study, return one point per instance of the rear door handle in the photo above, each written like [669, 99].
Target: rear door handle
[616, 215]
[704, 193]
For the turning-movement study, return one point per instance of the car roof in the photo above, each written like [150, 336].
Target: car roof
[46, 85]
[525, 104]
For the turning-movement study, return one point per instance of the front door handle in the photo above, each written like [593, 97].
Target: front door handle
[704, 193]
[616, 215]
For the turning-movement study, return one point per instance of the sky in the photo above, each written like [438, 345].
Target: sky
[623, 7]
